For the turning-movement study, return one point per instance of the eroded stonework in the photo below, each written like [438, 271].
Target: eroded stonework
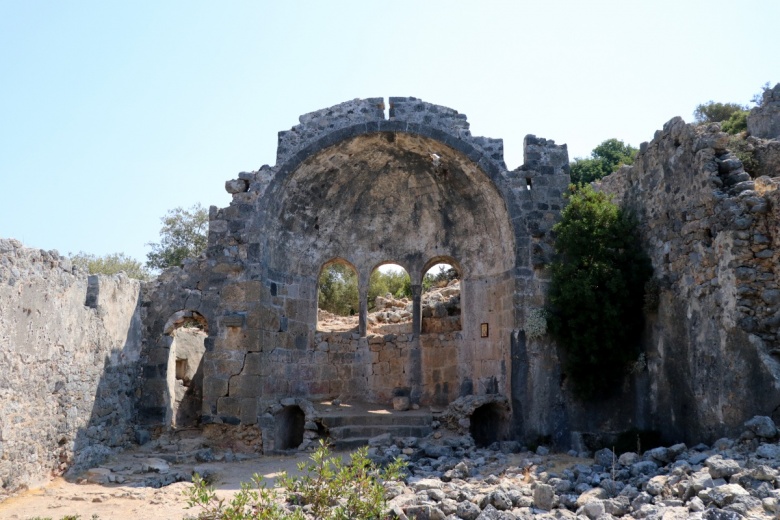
[351, 186]
[229, 341]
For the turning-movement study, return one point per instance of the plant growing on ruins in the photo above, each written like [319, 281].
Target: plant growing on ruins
[109, 264]
[184, 235]
[597, 291]
[606, 158]
[329, 489]
[712, 112]
[536, 324]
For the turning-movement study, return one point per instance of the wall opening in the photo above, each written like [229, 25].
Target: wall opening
[289, 427]
[188, 331]
[487, 424]
[389, 300]
[338, 303]
[440, 304]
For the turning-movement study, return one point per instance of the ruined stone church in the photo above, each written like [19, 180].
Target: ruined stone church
[93, 363]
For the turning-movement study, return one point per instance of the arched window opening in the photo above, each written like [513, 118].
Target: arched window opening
[440, 304]
[337, 297]
[390, 300]
[289, 428]
[488, 423]
[188, 331]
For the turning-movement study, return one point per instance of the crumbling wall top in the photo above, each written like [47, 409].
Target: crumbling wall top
[764, 121]
[328, 126]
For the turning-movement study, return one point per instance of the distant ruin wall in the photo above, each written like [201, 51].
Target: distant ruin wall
[69, 346]
[711, 231]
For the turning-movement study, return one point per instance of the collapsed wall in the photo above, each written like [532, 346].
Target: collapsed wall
[69, 348]
[711, 230]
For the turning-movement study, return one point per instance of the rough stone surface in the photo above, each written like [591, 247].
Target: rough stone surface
[764, 121]
[714, 243]
[69, 352]
[416, 189]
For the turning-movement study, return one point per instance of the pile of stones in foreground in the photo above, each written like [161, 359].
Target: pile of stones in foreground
[455, 480]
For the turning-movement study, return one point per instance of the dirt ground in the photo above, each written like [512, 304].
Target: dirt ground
[63, 497]
[113, 501]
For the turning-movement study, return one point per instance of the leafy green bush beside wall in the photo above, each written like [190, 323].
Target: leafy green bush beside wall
[597, 291]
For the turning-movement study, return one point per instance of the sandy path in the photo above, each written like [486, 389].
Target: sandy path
[60, 497]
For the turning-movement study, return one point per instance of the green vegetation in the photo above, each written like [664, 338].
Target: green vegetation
[442, 278]
[732, 116]
[398, 283]
[712, 112]
[338, 292]
[184, 235]
[110, 264]
[605, 159]
[329, 489]
[338, 286]
[597, 291]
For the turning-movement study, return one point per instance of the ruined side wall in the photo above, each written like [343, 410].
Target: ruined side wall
[712, 234]
[69, 370]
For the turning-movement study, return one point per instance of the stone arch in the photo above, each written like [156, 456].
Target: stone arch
[185, 332]
[394, 306]
[442, 310]
[323, 315]
[350, 183]
[443, 259]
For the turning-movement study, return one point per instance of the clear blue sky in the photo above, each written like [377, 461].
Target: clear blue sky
[112, 112]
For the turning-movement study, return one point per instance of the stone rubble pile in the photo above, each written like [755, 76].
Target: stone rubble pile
[436, 303]
[732, 479]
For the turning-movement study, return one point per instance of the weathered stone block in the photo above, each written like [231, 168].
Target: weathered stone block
[215, 386]
[245, 386]
[249, 410]
[228, 406]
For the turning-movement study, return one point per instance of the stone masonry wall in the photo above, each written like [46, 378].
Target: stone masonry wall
[711, 231]
[353, 186]
[69, 347]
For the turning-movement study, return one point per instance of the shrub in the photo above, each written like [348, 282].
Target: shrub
[712, 112]
[329, 490]
[536, 324]
[110, 264]
[597, 291]
[736, 123]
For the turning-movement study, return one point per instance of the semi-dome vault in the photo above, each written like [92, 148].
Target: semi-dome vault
[353, 187]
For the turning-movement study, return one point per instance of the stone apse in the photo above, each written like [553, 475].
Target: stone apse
[354, 187]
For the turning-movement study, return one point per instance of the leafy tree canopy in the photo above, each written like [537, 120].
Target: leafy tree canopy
[597, 291]
[184, 235]
[712, 112]
[338, 292]
[605, 159]
[396, 282]
[110, 264]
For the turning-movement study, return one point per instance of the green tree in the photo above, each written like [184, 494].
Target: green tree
[112, 263]
[597, 291]
[338, 290]
[606, 158]
[712, 112]
[445, 274]
[396, 282]
[184, 235]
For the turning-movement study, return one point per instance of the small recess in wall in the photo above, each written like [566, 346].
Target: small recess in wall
[484, 330]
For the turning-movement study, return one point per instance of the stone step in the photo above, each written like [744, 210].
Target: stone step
[368, 431]
[335, 421]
